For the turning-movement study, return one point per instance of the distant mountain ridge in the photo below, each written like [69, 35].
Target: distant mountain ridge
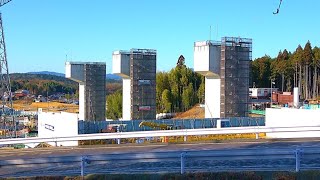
[47, 72]
[108, 76]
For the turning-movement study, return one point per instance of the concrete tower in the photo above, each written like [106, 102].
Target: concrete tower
[121, 67]
[225, 66]
[138, 71]
[91, 77]
[207, 57]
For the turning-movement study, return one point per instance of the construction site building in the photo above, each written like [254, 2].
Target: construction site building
[235, 71]
[137, 67]
[91, 77]
[226, 67]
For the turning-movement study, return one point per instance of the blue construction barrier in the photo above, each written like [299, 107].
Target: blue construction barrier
[85, 127]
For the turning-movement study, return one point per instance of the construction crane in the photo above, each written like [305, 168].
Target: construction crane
[5, 87]
[278, 9]
[3, 2]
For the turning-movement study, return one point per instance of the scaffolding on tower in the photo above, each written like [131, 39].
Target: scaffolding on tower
[235, 69]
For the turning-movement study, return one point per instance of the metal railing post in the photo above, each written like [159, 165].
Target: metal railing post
[182, 157]
[84, 161]
[82, 166]
[298, 159]
[185, 138]
[257, 135]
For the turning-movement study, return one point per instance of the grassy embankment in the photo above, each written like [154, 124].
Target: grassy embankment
[310, 175]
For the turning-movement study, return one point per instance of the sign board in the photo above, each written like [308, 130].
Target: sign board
[144, 108]
[144, 82]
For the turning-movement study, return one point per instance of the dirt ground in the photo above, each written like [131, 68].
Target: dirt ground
[52, 106]
[196, 112]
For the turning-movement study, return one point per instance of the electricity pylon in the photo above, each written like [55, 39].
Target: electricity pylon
[5, 86]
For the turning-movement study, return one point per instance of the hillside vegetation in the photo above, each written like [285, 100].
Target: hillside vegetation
[300, 68]
[179, 89]
[41, 84]
[176, 91]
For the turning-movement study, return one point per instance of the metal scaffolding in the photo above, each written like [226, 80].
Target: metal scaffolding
[95, 91]
[235, 70]
[143, 83]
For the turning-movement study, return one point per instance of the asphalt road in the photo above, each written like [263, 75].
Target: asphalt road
[117, 162]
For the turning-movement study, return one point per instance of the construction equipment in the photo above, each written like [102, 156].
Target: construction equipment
[3, 2]
[278, 9]
[154, 125]
[112, 128]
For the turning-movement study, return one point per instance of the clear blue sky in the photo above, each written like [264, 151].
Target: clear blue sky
[39, 33]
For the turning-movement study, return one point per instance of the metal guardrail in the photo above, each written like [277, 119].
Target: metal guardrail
[275, 159]
[161, 133]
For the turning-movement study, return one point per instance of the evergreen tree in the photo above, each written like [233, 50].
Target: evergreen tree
[261, 71]
[316, 65]
[114, 105]
[307, 57]
[166, 101]
[297, 59]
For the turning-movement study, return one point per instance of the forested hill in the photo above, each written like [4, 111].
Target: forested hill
[300, 68]
[42, 83]
[31, 76]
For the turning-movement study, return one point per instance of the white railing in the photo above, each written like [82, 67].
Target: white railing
[160, 133]
[248, 159]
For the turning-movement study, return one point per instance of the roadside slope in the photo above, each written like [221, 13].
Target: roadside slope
[196, 112]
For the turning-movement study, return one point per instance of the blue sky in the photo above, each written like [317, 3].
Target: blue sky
[40, 33]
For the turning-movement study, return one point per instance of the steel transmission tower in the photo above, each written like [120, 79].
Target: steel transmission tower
[5, 86]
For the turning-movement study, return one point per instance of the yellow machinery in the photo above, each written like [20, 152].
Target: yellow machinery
[154, 125]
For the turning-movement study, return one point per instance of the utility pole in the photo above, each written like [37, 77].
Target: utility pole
[271, 93]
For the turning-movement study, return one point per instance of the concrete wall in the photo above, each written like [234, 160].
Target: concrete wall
[207, 59]
[121, 64]
[58, 124]
[287, 117]
[74, 71]
[201, 58]
[81, 101]
[215, 58]
[126, 99]
[296, 96]
[212, 98]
